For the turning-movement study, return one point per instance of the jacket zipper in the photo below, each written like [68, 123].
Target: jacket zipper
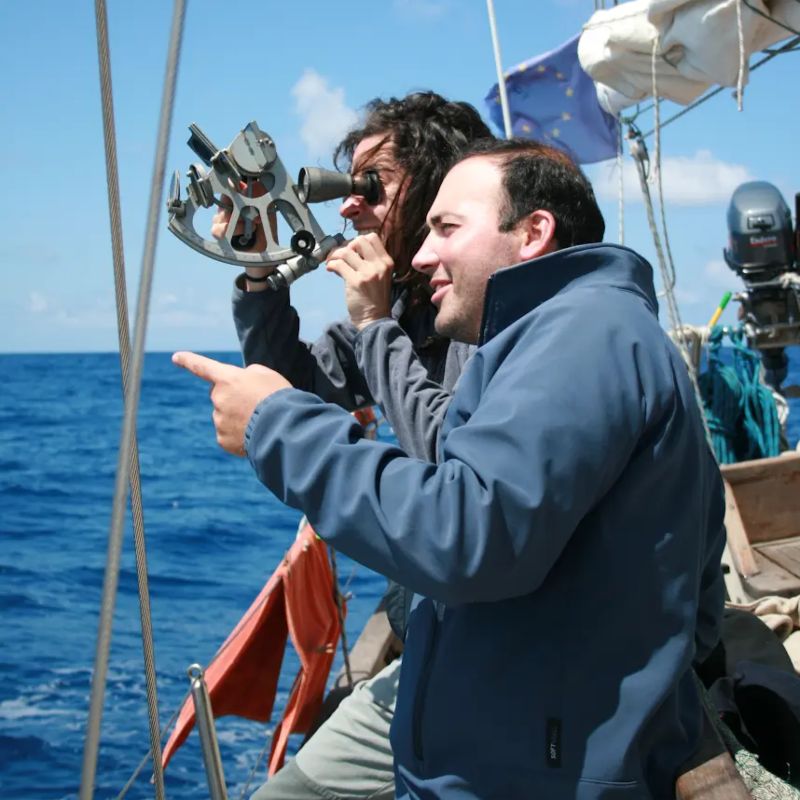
[422, 691]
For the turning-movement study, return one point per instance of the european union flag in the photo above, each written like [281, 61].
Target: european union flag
[551, 99]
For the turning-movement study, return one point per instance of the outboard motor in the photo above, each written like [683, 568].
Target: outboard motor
[763, 252]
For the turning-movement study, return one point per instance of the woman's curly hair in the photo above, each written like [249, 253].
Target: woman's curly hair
[427, 134]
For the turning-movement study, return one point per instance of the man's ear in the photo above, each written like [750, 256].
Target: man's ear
[538, 231]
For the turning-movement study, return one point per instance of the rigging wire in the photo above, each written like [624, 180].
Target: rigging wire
[261, 756]
[123, 331]
[771, 18]
[164, 731]
[789, 47]
[670, 276]
[111, 580]
[339, 599]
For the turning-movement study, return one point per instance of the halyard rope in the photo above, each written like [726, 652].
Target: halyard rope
[790, 46]
[639, 153]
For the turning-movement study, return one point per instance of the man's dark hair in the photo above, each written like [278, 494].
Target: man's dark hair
[427, 134]
[536, 176]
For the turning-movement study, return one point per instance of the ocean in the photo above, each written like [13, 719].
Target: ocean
[214, 535]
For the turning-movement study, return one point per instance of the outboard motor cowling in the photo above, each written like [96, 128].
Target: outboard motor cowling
[762, 252]
[761, 240]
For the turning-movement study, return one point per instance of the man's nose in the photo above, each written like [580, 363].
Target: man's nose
[352, 206]
[425, 260]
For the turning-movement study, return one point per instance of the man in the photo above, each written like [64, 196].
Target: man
[399, 363]
[568, 541]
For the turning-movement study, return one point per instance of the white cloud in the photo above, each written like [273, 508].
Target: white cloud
[698, 180]
[325, 115]
[427, 9]
[96, 317]
[37, 303]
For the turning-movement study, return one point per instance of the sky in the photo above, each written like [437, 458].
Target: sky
[303, 70]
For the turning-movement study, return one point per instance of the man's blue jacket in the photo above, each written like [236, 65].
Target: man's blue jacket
[567, 543]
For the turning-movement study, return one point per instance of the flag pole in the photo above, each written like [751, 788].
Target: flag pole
[501, 82]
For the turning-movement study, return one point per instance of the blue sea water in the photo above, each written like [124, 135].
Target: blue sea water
[214, 536]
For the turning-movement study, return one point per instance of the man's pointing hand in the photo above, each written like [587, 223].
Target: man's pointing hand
[235, 393]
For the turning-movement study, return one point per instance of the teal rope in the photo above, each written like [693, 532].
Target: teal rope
[740, 410]
[722, 400]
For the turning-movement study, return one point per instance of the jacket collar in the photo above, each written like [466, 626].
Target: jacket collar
[514, 291]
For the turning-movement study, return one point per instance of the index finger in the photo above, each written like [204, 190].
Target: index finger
[206, 368]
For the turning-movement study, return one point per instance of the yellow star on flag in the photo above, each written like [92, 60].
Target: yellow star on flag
[570, 92]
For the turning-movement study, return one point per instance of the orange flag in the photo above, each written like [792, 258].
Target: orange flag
[299, 601]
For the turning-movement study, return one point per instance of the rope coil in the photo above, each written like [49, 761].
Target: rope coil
[741, 412]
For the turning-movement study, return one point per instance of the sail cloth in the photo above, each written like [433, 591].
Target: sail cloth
[299, 601]
[698, 45]
[551, 99]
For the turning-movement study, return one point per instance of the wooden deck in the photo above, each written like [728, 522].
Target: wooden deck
[762, 519]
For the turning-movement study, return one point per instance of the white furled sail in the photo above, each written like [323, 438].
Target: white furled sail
[697, 43]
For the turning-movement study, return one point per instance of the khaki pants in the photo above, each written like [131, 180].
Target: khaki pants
[349, 757]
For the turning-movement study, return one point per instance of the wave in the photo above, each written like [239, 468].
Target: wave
[22, 708]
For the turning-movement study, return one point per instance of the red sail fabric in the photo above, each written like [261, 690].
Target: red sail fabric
[299, 601]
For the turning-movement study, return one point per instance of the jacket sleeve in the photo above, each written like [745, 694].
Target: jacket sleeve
[546, 441]
[412, 402]
[268, 329]
[711, 602]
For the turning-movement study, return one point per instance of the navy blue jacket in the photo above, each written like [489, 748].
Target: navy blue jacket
[567, 543]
